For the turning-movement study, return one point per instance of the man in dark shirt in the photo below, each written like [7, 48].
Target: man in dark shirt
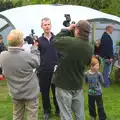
[106, 52]
[76, 53]
[49, 59]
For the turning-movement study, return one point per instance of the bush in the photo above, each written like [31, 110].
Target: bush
[118, 43]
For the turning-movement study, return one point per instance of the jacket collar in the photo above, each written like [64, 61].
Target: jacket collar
[51, 36]
[15, 49]
[84, 38]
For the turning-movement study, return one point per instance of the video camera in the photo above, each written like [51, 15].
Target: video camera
[31, 38]
[66, 23]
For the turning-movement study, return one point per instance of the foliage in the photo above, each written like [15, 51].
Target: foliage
[118, 43]
[107, 6]
[5, 5]
[111, 98]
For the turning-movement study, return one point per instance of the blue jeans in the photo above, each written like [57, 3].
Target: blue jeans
[106, 72]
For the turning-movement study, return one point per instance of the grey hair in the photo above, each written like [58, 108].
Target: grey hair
[15, 38]
[45, 18]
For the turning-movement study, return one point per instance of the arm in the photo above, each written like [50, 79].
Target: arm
[69, 31]
[109, 50]
[41, 48]
[63, 39]
[101, 79]
[65, 32]
[35, 54]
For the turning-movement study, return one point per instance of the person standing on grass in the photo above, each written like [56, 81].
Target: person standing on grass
[76, 53]
[97, 48]
[2, 48]
[49, 59]
[95, 81]
[106, 52]
[17, 66]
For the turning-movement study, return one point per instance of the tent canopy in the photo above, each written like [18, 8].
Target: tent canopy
[28, 17]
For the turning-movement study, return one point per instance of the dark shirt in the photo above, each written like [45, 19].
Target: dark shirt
[48, 54]
[76, 54]
[106, 46]
[96, 50]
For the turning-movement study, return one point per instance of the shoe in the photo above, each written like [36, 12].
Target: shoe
[46, 116]
[93, 118]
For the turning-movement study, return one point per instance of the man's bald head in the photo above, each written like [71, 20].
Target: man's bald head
[109, 29]
[15, 38]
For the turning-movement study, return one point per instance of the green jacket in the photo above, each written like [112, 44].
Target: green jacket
[75, 55]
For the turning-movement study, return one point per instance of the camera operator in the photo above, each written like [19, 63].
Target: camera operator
[76, 54]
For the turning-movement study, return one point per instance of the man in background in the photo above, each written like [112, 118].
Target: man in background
[76, 54]
[106, 52]
[49, 59]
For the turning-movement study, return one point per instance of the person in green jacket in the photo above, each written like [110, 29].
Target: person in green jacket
[76, 53]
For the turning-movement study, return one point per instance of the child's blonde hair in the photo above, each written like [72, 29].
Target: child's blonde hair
[94, 61]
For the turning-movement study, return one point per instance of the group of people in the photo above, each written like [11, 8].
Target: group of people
[57, 62]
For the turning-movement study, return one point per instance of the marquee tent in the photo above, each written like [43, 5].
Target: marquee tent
[28, 17]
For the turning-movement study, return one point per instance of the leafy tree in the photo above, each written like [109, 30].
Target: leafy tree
[108, 6]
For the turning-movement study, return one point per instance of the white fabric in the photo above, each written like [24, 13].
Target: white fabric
[27, 47]
[29, 16]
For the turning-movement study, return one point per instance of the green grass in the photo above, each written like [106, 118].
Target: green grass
[111, 98]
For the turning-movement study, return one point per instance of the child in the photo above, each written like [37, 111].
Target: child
[94, 79]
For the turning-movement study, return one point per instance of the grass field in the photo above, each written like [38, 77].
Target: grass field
[111, 97]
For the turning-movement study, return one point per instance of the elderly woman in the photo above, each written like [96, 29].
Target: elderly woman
[18, 66]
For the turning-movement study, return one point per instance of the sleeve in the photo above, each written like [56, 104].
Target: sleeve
[61, 41]
[101, 79]
[35, 59]
[109, 43]
[65, 32]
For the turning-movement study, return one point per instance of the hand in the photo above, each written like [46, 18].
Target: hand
[71, 27]
[110, 59]
[35, 43]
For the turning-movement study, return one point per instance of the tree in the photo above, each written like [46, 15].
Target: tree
[4, 5]
[108, 6]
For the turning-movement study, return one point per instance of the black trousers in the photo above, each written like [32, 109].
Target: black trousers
[45, 85]
[92, 108]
